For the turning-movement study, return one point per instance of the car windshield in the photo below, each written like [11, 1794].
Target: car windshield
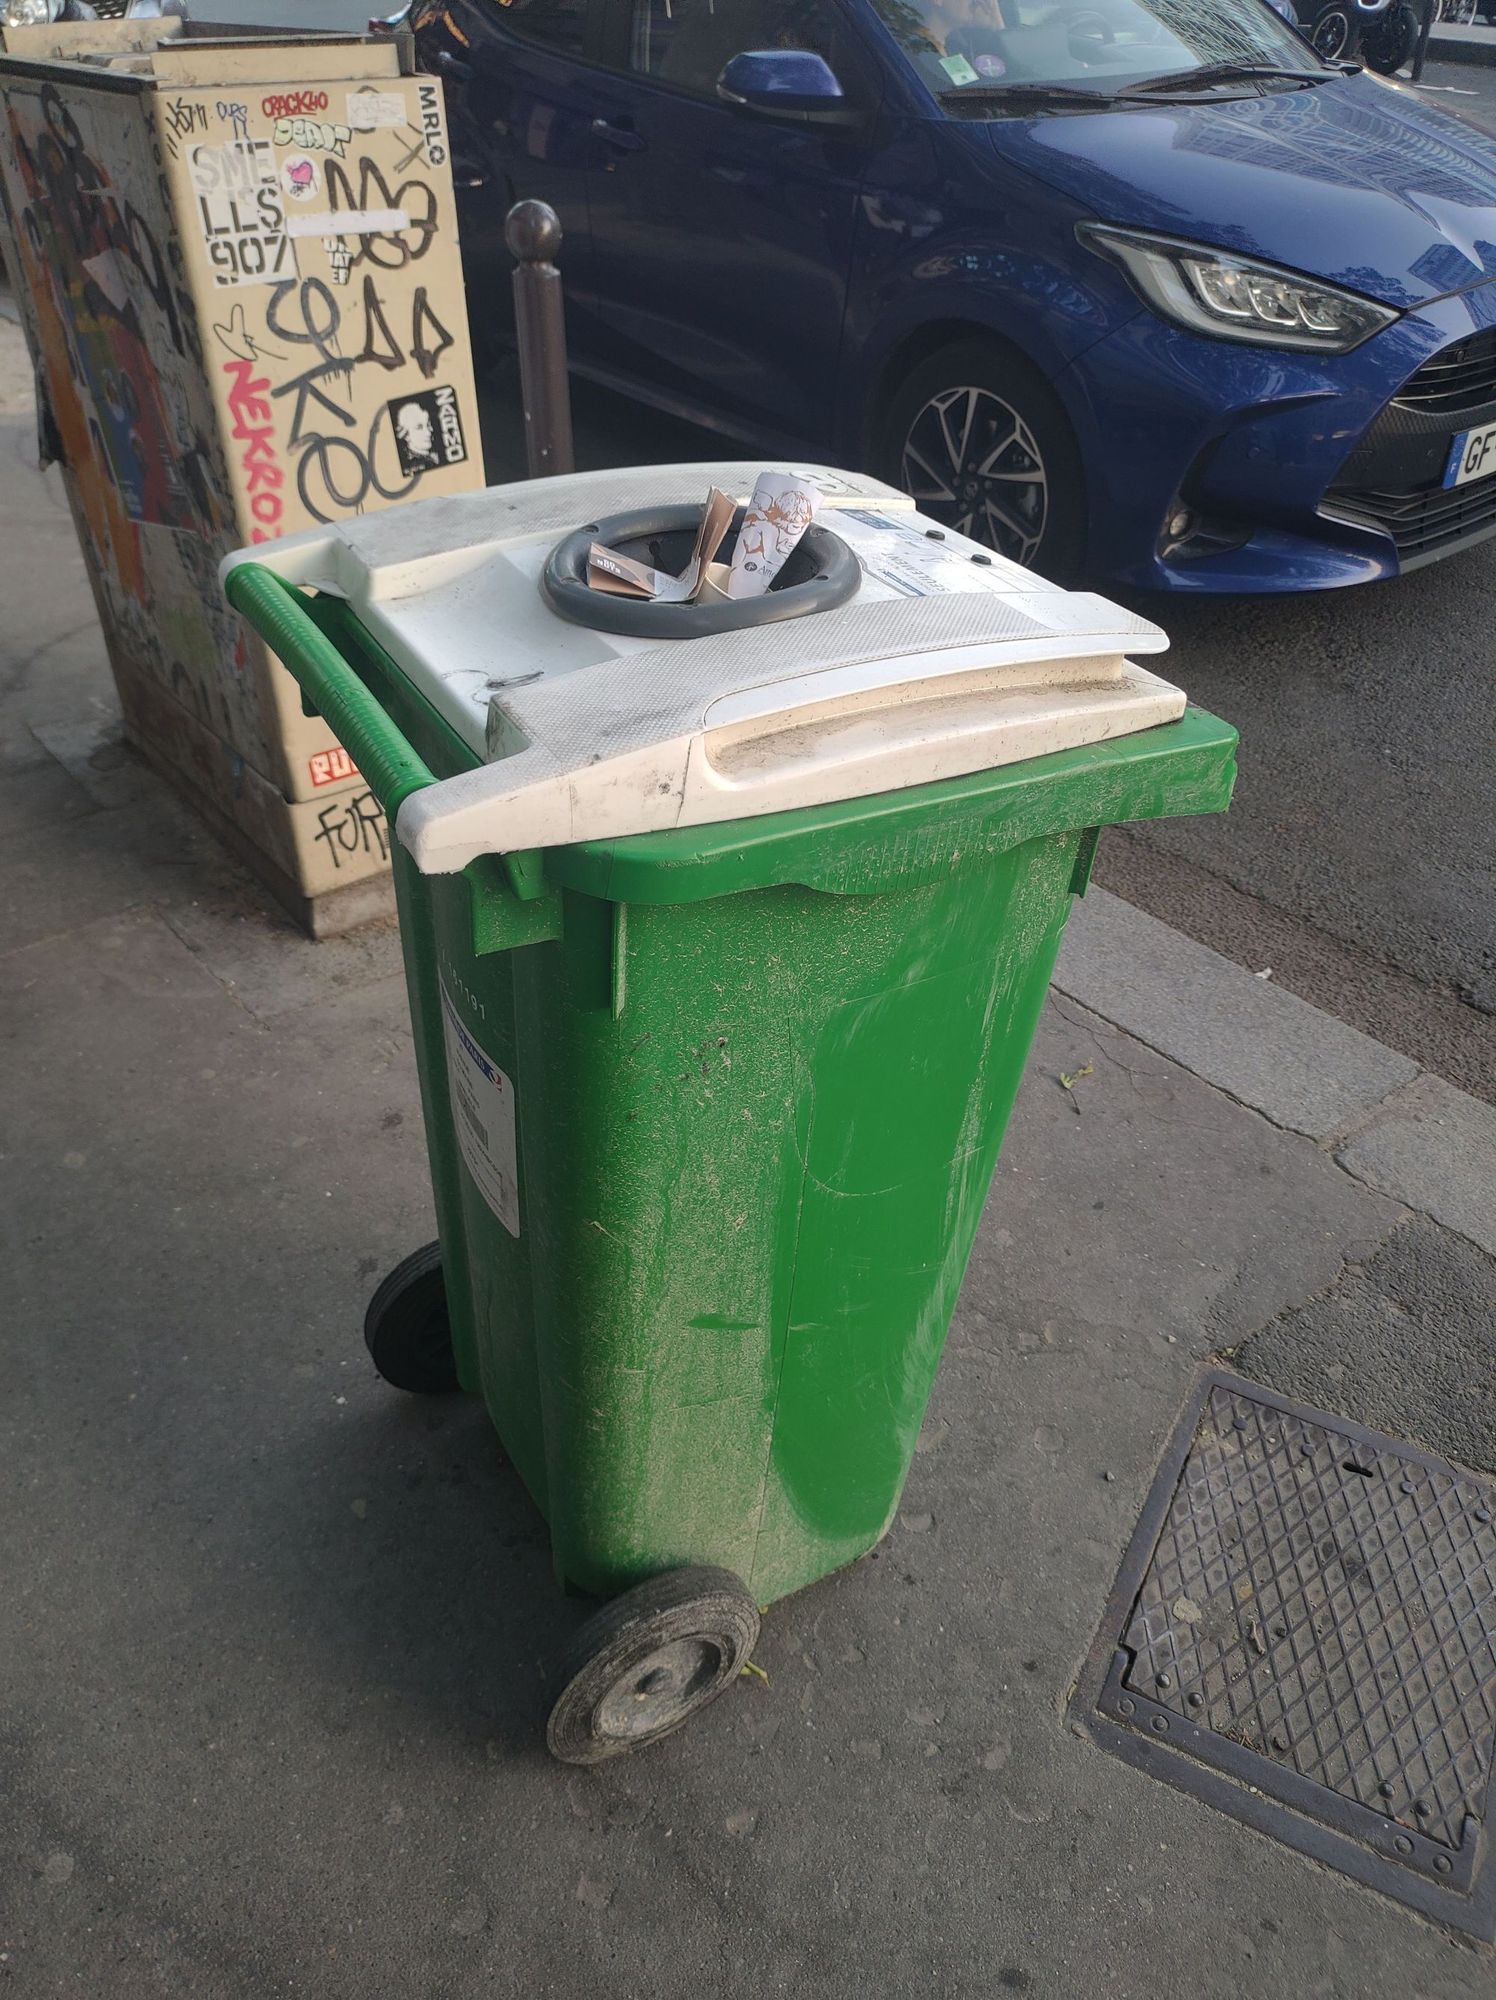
[975, 53]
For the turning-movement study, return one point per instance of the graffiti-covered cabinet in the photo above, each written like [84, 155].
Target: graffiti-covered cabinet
[240, 277]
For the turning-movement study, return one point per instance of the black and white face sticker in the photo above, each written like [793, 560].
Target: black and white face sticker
[428, 430]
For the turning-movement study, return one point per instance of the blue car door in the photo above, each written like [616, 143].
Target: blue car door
[722, 240]
[520, 100]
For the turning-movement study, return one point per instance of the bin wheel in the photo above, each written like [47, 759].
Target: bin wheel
[406, 1328]
[649, 1661]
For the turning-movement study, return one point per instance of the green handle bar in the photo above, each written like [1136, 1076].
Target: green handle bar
[389, 766]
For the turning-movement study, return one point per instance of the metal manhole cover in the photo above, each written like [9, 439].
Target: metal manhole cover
[1303, 1632]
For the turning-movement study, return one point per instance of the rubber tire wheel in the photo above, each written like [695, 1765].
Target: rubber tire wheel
[597, 1682]
[406, 1328]
[1387, 43]
[992, 366]
[1335, 25]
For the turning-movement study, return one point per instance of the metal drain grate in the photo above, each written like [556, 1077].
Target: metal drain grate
[1309, 1609]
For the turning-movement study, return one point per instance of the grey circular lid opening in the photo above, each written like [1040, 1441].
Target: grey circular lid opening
[822, 573]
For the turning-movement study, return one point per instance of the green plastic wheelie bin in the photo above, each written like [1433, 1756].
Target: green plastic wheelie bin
[712, 1113]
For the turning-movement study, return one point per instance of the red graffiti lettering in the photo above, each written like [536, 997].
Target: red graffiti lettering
[330, 767]
[293, 103]
[264, 476]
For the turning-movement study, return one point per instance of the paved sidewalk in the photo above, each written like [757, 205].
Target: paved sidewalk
[1462, 41]
[272, 1638]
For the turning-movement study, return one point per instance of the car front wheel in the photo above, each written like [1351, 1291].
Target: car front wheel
[979, 441]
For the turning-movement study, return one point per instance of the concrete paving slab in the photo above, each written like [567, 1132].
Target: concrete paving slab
[94, 753]
[1434, 1148]
[59, 876]
[1178, 1234]
[55, 672]
[39, 793]
[1404, 1343]
[141, 845]
[1261, 1044]
[271, 966]
[76, 869]
[274, 1666]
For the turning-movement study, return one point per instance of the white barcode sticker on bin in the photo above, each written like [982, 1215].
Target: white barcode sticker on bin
[483, 1113]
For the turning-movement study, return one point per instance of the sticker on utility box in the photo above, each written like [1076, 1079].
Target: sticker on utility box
[483, 1113]
[369, 110]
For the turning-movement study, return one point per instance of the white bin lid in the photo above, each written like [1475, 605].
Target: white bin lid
[948, 660]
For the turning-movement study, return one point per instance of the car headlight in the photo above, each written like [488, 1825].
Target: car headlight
[1236, 298]
[28, 13]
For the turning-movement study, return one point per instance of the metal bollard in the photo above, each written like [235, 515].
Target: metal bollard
[533, 232]
[1420, 53]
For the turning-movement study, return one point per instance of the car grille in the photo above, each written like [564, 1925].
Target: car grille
[1425, 521]
[1457, 378]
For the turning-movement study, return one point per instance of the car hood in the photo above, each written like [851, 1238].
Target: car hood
[1354, 181]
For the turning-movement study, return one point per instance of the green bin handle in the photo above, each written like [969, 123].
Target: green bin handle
[387, 763]
[511, 903]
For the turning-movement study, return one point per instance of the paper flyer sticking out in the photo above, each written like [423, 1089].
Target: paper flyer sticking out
[624, 577]
[783, 506]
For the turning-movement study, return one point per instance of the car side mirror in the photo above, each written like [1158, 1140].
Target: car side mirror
[795, 84]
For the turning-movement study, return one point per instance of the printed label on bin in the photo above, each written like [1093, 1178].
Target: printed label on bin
[910, 560]
[483, 1112]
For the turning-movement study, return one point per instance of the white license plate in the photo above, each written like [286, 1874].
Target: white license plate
[1472, 455]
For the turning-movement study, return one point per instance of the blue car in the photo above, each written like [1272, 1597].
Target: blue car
[1137, 290]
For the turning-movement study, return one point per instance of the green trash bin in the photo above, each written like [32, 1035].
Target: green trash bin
[712, 1113]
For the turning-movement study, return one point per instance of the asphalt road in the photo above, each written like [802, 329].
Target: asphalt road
[1356, 860]
[1468, 88]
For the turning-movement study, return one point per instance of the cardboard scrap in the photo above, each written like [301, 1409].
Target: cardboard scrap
[782, 508]
[610, 571]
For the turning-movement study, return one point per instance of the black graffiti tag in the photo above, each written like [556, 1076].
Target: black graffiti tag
[380, 345]
[143, 251]
[337, 471]
[354, 826]
[234, 336]
[389, 250]
[305, 313]
[423, 322]
[336, 475]
[183, 120]
[429, 339]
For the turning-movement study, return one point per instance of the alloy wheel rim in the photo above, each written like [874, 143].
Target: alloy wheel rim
[971, 462]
